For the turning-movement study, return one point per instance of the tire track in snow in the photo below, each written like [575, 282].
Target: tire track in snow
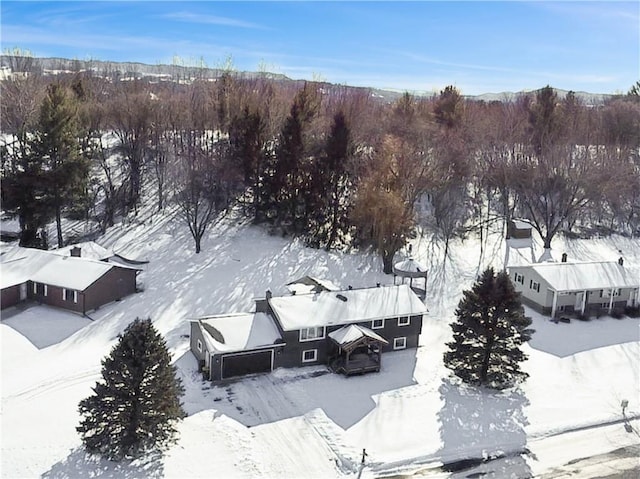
[58, 384]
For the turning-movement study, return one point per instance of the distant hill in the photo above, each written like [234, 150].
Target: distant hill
[177, 72]
[586, 97]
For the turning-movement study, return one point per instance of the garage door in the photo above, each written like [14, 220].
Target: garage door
[247, 363]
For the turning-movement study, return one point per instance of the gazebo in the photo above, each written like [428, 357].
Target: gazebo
[357, 350]
[410, 268]
[519, 236]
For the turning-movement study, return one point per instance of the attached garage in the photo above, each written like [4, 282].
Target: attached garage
[235, 345]
[241, 364]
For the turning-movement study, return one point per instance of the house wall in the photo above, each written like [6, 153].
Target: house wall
[114, 285]
[10, 296]
[54, 297]
[544, 297]
[195, 336]
[292, 353]
[542, 301]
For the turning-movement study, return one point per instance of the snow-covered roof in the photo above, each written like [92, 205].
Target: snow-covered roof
[409, 265]
[238, 332]
[19, 265]
[310, 284]
[344, 307]
[353, 332]
[88, 249]
[72, 273]
[585, 276]
[521, 225]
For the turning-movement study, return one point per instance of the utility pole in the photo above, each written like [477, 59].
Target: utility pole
[364, 455]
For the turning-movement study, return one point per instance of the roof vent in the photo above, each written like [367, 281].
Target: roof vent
[76, 252]
[621, 261]
[269, 294]
[564, 257]
[341, 297]
[350, 287]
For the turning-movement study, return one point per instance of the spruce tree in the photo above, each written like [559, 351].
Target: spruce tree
[135, 407]
[56, 145]
[487, 335]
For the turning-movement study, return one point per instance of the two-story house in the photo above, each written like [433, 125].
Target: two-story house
[347, 330]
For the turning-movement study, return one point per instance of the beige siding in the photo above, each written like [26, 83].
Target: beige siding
[542, 297]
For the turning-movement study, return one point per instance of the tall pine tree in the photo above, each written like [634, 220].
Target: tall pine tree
[56, 144]
[135, 407]
[487, 335]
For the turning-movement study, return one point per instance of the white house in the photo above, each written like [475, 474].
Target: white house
[552, 288]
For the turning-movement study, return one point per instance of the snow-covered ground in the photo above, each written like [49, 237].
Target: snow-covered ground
[411, 417]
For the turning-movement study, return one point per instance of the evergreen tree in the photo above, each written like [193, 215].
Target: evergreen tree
[488, 332]
[286, 187]
[134, 408]
[330, 187]
[56, 144]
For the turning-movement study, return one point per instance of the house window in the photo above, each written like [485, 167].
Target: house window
[69, 295]
[399, 343]
[311, 334]
[377, 324]
[519, 278]
[404, 321]
[199, 346]
[534, 285]
[40, 289]
[309, 356]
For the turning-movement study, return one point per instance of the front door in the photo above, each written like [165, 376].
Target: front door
[579, 299]
[23, 291]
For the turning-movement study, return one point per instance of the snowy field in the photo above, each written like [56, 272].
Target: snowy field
[565, 421]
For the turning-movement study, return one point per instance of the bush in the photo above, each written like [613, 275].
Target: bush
[632, 311]
[617, 314]
[584, 316]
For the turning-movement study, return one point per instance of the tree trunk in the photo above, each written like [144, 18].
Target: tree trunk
[485, 362]
[59, 224]
[387, 261]
[197, 239]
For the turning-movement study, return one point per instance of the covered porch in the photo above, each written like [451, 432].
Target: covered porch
[356, 350]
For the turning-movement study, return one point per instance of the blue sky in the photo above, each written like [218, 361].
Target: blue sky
[477, 46]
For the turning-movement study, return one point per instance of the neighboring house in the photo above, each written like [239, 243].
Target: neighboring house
[569, 287]
[347, 330]
[73, 283]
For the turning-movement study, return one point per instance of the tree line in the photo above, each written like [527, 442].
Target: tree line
[333, 165]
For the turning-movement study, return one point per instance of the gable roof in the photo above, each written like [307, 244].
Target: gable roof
[344, 307]
[585, 276]
[72, 273]
[238, 332]
[19, 265]
[353, 332]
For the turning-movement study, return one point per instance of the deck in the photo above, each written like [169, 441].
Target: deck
[357, 364]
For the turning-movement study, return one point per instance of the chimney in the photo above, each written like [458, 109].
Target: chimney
[564, 257]
[76, 251]
[269, 294]
[377, 285]
[621, 261]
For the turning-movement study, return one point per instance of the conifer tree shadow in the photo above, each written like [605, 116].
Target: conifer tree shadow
[79, 463]
[482, 432]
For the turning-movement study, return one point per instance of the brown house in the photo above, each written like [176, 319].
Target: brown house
[74, 283]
